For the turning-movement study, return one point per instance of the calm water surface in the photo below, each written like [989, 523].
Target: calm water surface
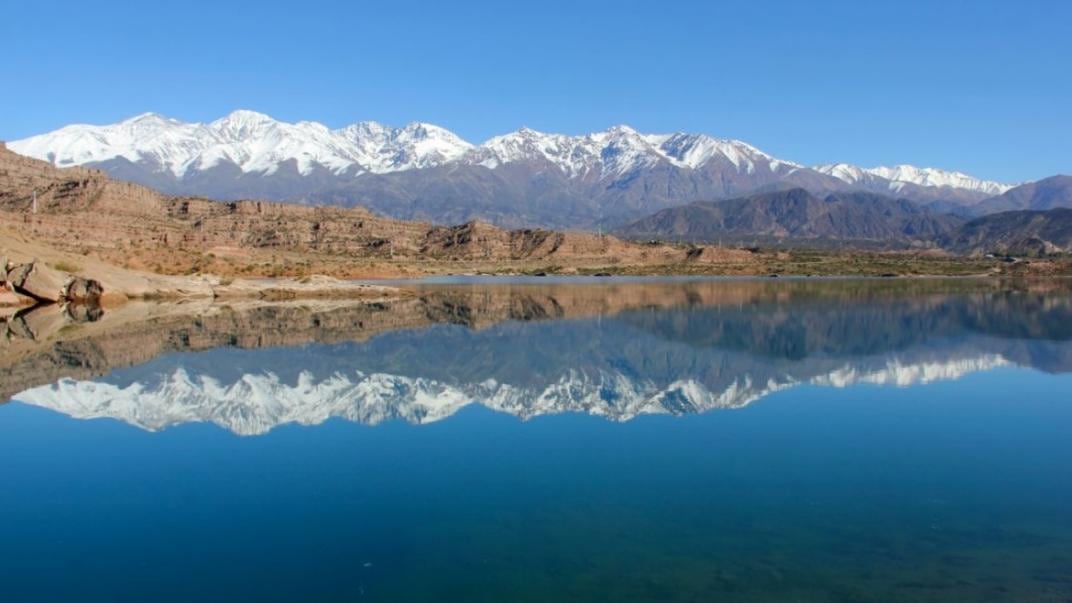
[528, 441]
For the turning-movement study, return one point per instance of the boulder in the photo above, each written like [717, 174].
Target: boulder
[83, 290]
[17, 273]
[38, 280]
[3, 267]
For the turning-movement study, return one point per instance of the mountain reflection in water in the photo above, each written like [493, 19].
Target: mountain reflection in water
[616, 350]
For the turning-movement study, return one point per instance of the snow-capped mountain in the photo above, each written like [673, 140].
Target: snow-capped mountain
[423, 171]
[894, 179]
[252, 141]
[257, 143]
[256, 403]
[618, 151]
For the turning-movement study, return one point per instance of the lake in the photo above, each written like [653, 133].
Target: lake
[547, 440]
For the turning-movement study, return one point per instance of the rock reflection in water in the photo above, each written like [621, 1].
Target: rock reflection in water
[615, 350]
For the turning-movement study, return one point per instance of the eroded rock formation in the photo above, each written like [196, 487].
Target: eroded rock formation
[80, 209]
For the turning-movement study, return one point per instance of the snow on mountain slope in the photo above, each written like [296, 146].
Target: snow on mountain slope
[258, 144]
[618, 151]
[381, 149]
[254, 142]
[939, 178]
[148, 137]
[695, 150]
[895, 178]
[576, 156]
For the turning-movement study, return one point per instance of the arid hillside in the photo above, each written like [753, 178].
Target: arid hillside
[86, 212]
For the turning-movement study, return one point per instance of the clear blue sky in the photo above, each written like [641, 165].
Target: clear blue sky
[982, 86]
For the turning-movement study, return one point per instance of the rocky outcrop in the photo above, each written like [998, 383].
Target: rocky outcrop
[476, 240]
[83, 290]
[9, 298]
[35, 282]
[39, 281]
[81, 211]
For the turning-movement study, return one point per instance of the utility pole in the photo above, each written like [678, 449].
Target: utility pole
[602, 241]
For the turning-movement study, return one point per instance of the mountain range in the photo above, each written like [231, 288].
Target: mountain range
[798, 216]
[1048, 193]
[422, 171]
[1022, 232]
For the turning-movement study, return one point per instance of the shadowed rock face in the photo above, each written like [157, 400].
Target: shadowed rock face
[615, 350]
[1030, 233]
[799, 217]
[1048, 193]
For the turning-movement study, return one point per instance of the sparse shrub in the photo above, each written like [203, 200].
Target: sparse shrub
[65, 266]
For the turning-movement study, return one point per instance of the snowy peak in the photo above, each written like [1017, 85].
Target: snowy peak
[378, 148]
[259, 144]
[938, 178]
[696, 150]
[619, 150]
[417, 145]
[844, 172]
[254, 142]
[242, 125]
[573, 155]
[622, 149]
[898, 176]
[147, 136]
[149, 122]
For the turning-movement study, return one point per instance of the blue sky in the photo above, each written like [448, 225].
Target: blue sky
[983, 87]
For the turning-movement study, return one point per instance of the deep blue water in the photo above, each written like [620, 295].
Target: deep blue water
[861, 445]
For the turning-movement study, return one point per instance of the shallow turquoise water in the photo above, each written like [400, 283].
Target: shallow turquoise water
[796, 442]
